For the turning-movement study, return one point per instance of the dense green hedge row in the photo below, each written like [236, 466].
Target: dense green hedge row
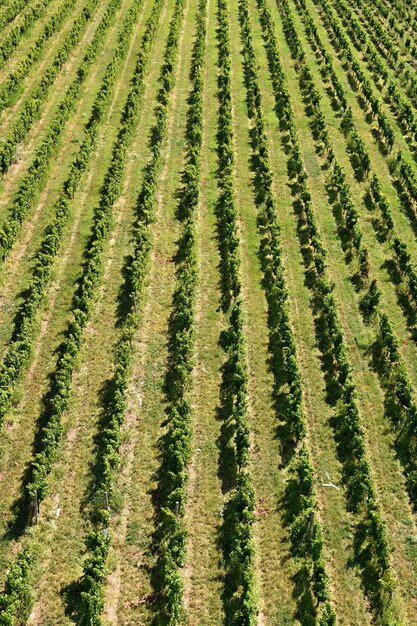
[403, 107]
[380, 201]
[403, 170]
[19, 348]
[109, 437]
[402, 110]
[390, 44]
[13, 84]
[17, 597]
[175, 444]
[305, 528]
[400, 405]
[239, 599]
[31, 184]
[360, 491]
[339, 194]
[33, 104]
[371, 299]
[9, 13]
[13, 38]
[57, 399]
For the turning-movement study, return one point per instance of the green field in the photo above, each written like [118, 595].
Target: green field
[208, 312]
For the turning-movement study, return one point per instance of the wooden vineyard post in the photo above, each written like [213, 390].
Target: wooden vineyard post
[107, 508]
[35, 507]
[106, 501]
[134, 301]
[311, 524]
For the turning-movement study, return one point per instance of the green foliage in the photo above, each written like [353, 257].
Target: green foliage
[397, 388]
[176, 442]
[403, 107]
[13, 85]
[57, 399]
[240, 601]
[19, 348]
[30, 186]
[306, 545]
[33, 104]
[91, 601]
[14, 36]
[347, 425]
[107, 452]
[16, 599]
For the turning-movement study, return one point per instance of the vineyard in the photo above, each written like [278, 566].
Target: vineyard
[208, 312]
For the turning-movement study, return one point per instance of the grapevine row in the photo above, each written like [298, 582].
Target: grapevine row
[57, 399]
[400, 404]
[404, 27]
[108, 442]
[13, 38]
[25, 321]
[403, 111]
[33, 104]
[175, 444]
[391, 47]
[360, 490]
[18, 351]
[30, 186]
[239, 598]
[11, 12]
[398, 166]
[387, 48]
[13, 84]
[404, 405]
[305, 528]
[348, 127]
[338, 186]
[355, 74]
[385, 131]
[17, 598]
[402, 106]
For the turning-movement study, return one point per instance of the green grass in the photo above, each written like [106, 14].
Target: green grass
[100, 334]
[131, 560]
[53, 318]
[203, 570]
[60, 536]
[359, 337]
[17, 266]
[64, 564]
